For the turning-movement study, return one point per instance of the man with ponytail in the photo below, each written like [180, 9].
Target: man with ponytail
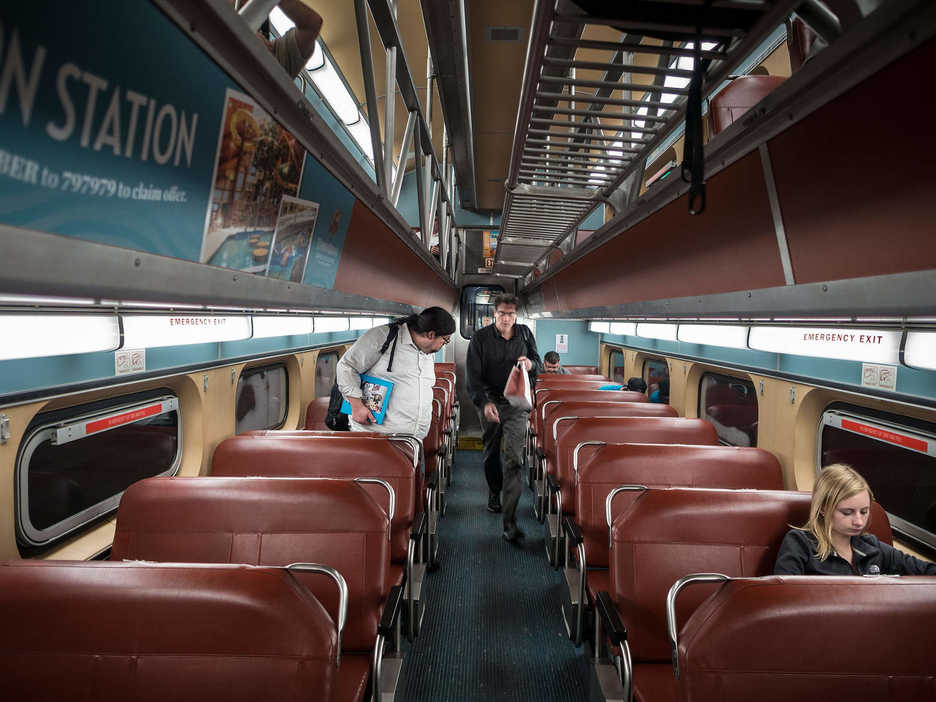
[401, 353]
[833, 541]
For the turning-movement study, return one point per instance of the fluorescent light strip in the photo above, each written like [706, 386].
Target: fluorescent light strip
[356, 323]
[600, 327]
[330, 324]
[154, 331]
[625, 328]
[727, 335]
[265, 327]
[920, 351]
[666, 332]
[380, 321]
[843, 343]
[37, 335]
[39, 300]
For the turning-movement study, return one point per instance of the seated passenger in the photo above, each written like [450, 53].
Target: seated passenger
[551, 364]
[661, 394]
[637, 384]
[833, 541]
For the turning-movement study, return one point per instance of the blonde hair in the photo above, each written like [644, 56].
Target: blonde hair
[835, 483]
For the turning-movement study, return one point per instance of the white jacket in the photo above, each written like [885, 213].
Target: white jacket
[410, 408]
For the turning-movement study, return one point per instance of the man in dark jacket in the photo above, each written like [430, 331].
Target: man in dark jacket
[493, 352]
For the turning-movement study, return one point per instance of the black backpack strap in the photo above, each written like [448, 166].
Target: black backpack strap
[391, 338]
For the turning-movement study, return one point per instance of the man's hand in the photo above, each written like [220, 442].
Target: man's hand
[527, 363]
[491, 413]
[359, 411]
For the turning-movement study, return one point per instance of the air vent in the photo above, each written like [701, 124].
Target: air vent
[504, 33]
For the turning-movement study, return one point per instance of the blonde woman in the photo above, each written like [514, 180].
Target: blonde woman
[834, 542]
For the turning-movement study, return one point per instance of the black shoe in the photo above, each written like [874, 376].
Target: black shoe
[513, 534]
[494, 503]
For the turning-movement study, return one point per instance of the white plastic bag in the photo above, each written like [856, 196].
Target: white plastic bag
[517, 391]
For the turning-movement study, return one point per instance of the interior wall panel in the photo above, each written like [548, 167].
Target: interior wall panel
[855, 179]
[731, 246]
[376, 263]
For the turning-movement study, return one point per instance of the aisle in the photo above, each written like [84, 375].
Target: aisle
[493, 629]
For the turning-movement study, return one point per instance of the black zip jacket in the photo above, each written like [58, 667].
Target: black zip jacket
[798, 557]
[490, 359]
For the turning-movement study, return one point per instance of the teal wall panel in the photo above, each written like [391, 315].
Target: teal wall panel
[583, 344]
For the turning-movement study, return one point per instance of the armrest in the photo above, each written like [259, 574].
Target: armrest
[614, 627]
[573, 533]
[432, 480]
[552, 482]
[419, 526]
[540, 453]
[391, 611]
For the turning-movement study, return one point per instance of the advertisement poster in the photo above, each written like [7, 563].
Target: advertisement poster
[257, 163]
[292, 239]
[489, 247]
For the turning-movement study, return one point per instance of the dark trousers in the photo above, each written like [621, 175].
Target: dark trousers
[505, 475]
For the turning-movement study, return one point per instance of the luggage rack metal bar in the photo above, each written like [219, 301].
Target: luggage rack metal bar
[638, 87]
[584, 97]
[557, 40]
[650, 27]
[626, 67]
[576, 138]
[625, 116]
[593, 125]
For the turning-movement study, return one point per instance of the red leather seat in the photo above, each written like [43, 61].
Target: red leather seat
[781, 638]
[141, 631]
[739, 96]
[315, 414]
[569, 394]
[603, 467]
[582, 370]
[551, 409]
[327, 455]
[569, 432]
[669, 533]
[263, 521]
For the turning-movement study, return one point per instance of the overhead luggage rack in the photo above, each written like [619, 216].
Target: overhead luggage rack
[600, 95]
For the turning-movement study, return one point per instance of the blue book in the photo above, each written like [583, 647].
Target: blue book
[611, 387]
[375, 392]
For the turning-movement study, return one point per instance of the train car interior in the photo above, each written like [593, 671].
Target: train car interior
[710, 214]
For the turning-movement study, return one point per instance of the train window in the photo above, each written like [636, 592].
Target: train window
[477, 306]
[262, 398]
[897, 459]
[76, 463]
[618, 372]
[325, 373]
[656, 373]
[731, 405]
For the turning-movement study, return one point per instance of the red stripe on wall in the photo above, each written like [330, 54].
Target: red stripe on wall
[374, 262]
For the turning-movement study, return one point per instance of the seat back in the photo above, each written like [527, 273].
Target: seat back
[739, 96]
[582, 370]
[603, 467]
[669, 533]
[432, 443]
[315, 414]
[142, 631]
[811, 639]
[553, 409]
[569, 432]
[338, 455]
[268, 521]
[566, 394]
[445, 366]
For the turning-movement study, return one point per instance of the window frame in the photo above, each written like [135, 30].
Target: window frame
[730, 378]
[887, 422]
[466, 308]
[649, 359]
[253, 370]
[27, 534]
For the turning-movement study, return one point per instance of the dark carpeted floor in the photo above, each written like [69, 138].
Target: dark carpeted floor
[493, 628]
